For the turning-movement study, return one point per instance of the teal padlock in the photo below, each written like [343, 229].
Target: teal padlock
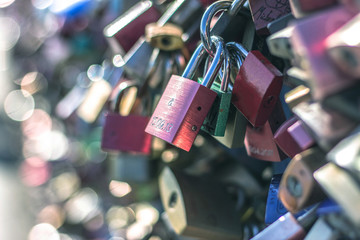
[216, 120]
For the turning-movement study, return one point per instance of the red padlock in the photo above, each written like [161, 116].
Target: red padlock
[185, 103]
[259, 142]
[264, 12]
[125, 133]
[292, 138]
[309, 47]
[257, 86]
[124, 31]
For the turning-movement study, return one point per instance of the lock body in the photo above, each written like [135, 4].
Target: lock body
[216, 120]
[180, 112]
[235, 129]
[126, 133]
[256, 88]
[292, 138]
[274, 206]
[259, 143]
[199, 208]
[298, 188]
[309, 45]
[264, 12]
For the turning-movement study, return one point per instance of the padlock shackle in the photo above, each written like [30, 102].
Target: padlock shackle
[238, 48]
[120, 93]
[198, 56]
[232, 7]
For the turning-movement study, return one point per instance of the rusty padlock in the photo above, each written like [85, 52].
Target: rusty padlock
[125, 133]
[257, 86]
[185, 103]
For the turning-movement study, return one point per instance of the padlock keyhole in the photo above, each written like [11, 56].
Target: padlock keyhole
[173, 199]
[199, 108]
[166, 41]
[294, 186]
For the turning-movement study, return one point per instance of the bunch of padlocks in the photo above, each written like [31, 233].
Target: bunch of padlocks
[215, 119]
[234, 96]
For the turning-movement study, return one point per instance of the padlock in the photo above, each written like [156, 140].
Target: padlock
[181, 13]
[308, 41]
[346, 154]
[199, 207]
[301, 8]
[274, 206]
[326, 126]
[124, 31]
[264, 12]
[298, 188]
[279, 43]
[231, 16]
[94, 100]
[125, 132]
[167, 37]
[259, 142]
[216, 120]
[297, 95]
[280, 23]
[342, 187]
[343, 48]
[346, 102]
[257, 86]
[184, 104]
[286, 227]
[292, 138]
[322, 230]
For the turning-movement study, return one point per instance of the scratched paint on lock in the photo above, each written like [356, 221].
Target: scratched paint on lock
[180, 112]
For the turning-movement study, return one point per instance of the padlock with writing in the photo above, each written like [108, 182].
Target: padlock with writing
[124, 31]
[264, 12]
[257, 86]
[199, 207]
[298, 188]
[274, 206]
[309, 47]
[326, 126]
[185, 103]
[125, 132]
[301, 8]
[341, 186]
[292, 138]
[259, 141]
